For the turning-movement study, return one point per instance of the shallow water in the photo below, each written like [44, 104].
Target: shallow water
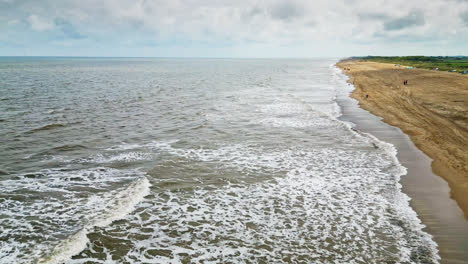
[194, 161]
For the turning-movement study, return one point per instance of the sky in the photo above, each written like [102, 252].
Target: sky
[233, 28]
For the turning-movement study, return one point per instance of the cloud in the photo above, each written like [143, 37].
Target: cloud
[67, 29]
[39, 24]
[414, 18]
[372, 16]
[285, 10]
[464, 17]
[13, 22]
[255, 11]
[317, 25]
[59, 25]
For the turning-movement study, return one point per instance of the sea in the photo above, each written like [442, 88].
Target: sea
[155, 160]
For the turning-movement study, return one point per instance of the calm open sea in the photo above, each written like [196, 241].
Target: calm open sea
[194, 161]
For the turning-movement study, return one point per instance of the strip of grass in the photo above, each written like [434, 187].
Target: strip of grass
[443, 63]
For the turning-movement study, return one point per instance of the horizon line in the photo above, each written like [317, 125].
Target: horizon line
[165, 57]
[221, 57]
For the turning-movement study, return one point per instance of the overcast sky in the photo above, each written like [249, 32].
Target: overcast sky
[233, 28]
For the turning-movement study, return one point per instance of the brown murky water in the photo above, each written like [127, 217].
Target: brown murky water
[194, 161]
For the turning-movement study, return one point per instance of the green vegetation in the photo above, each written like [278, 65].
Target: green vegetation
[459, 63]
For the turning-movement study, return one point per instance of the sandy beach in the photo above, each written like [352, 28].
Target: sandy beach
[432, 109]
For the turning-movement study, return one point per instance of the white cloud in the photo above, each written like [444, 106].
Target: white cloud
[40, 24]
[13, 22]
[280, 23]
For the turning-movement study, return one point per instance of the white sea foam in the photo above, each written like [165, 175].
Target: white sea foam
[63, 208]
[124, 146]
[116, 205]
[342, 205]
[106, 157]
[401, 200]
[297, 115]
[122, 157]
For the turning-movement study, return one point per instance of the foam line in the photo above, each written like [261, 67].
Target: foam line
[402, 199]
[122, 204]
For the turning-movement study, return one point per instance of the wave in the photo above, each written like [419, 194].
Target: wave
[66, 204]
[52, 152]
[68, 147]
[121, 204]
[47, 127]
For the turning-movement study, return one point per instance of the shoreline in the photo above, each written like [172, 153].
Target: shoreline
[431, 110]
[429, 193]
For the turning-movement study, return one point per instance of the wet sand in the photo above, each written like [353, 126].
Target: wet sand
[430, 194]
[432, 109]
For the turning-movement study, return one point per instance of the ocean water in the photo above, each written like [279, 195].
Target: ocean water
[194, 161]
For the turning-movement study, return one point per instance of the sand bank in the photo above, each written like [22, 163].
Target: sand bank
[432, 109]
[429, 193]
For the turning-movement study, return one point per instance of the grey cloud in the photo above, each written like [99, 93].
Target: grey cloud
[464, 17]
[270, 22]
[285, 10]
[403, 38]
[67, 29]
[255, 11]
[372, 16]
[414, 18]
[250, 13]
[311, 23]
